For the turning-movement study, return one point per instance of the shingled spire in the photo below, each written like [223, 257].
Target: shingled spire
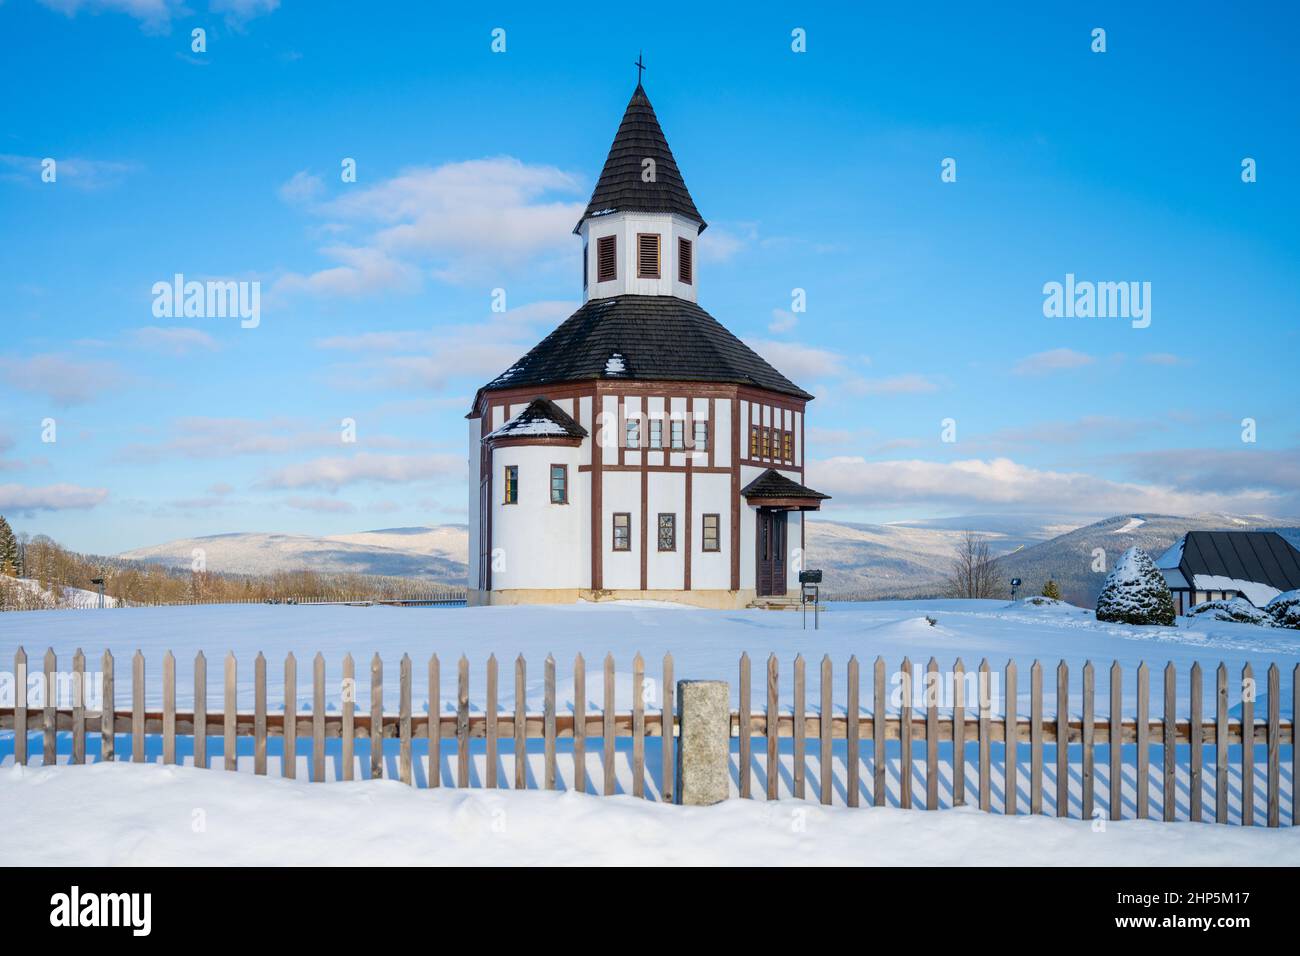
[622, 186]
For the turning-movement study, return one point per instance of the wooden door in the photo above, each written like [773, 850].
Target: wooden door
[771, 552]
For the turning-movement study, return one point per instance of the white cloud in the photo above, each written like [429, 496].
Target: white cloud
[782, 321]
[458, 222]
[1053, 360]
[75, 171]
[320, 505]
[1002, 483]
[174, 340]
[301, 187]
[155, 16]
[335, 472]
[718, 244]
[49, 497]
[64, 381]
[798, 361]
[911, 384]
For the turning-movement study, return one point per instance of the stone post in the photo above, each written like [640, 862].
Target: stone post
[704, 744]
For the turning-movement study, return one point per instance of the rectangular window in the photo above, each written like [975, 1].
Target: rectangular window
[656, 433]
[701, 436]
[512, 485]
[633, 433]
[765, 448]
[559, 484]
[647, 255]
[685, 264]
[585, 266]
[753, 441]
[622, 531]
[607, 258]
[678, 433]
[667, 532]
[787, 446]
[709, 540]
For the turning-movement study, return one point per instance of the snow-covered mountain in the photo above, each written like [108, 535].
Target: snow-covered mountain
[434, 553]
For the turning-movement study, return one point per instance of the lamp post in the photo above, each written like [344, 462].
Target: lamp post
[99, 582]
[1015, 583]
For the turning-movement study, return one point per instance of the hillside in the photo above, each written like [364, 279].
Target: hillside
[436, 554]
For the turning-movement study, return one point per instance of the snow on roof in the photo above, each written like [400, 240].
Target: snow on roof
[1173, 557]
[541, 418]
[1256, 593]
[616, 365]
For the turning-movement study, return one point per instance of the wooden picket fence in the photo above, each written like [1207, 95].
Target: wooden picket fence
[931, 726]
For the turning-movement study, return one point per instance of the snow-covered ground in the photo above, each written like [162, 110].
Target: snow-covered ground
[124, 814]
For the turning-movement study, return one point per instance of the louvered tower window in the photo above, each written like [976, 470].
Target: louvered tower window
[685, 264]
[647, 255]
[606, 258]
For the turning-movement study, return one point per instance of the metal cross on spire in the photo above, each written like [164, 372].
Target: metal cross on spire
[640, 67]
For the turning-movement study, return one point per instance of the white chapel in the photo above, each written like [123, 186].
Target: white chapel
[640, 450]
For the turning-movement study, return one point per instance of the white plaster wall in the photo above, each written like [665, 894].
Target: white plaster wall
[540, 543]
[710, 494]
[475, 425]
[667, 493]
[621, 491]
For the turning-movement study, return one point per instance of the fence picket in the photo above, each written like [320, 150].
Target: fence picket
[932, 735]
[462, 722]
[521, 723]
[107, 713]
[78, 707]
[1247, 747]
[1221, 745]
[49, 716]
[1115, 748]
[229, 727]
[349, 729]
[879, 721]
[773, 717]
[1274, 746]
[579, 724]
[1036, 738]
[137, 708]
[1087, 730]
[638, 726]
[1143, 740]
[1011, 732]
[1062, 740]
[490, 724]
[824, 755]
[1196, 736]
[20, 706]
[434, 775]
[405, 769]
[200, 711]
[800, 725]
[289, 760]
[169, 708]
[318, 718]
[986, 737]
[743, 706]
[548, 726]
[1170, 742]
[259, 714]
[958, 734]
[377, 717]
[669, 726]
[852, 749]
[905, 739]
[607, 725]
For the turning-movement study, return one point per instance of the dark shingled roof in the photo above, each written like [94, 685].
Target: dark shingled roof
[1264, 557]
[649, 338]
[542, 418]
[620, 187]
[773, 484]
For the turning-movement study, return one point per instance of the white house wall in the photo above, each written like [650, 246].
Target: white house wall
[536, 544]
[475, 460]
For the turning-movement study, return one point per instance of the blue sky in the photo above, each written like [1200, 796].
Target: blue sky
[817, 170]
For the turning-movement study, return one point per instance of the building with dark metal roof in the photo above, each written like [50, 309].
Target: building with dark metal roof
[1216, 565]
